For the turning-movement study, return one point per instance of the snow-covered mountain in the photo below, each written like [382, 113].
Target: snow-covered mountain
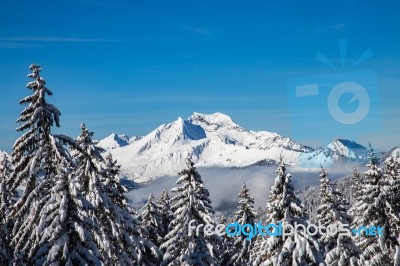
[215, 140]
[113, 141]
[338, 150]
[395, 153]
[348, 149]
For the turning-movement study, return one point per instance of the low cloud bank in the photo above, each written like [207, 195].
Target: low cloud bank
[225, 183]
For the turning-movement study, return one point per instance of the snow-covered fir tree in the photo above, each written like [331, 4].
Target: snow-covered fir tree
[283, 206]
[338, 249]
[151, 220]
[112, 182]
[35, 159]
[227, 250]
[191, 202]
[77, 221]
[68, 231]
[119, 239]
[390, 190]
[356, 185]
[164, 207]
[5, 204]
[245, 214]
[375, 208]
[34, 152]
[148, 251]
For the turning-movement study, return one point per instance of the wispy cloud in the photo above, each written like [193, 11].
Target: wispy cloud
[53, 39]
[335, 27]
[197, 30]
[13, 45]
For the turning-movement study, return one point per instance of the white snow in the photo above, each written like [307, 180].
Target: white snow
[114, 141]
[395, 153]
[214, 140]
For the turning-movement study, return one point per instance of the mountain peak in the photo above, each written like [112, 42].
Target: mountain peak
[114, 141]
[212, 122]
[348, 148]
[218, 118]
[348, 143]
[216, 140]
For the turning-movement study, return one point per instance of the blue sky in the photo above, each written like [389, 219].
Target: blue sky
[129, 66]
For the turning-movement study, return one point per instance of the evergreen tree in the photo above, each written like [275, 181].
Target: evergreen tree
[35, 159]
[227, 250]
[165, 211]
[244, 215]
[283, 206]
[191, 202]
[112, 182]
[68, 229]
[151, 220]
[119, 240]
[374, 208]
[390, 191]
[338, 249]
[356, 185]
[76, 221]
[5, 203]
[34, 152]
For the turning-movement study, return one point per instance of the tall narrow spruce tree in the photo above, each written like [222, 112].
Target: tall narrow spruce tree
[34, 152]
[376, 208]
[35, 158]
[245, 214]
[164, 207]
[338, 249]
[118, 241]
[5, 204]
[191, 202]
[151, 220]
[283, 206]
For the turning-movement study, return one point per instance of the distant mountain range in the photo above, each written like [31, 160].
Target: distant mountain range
[216, 140]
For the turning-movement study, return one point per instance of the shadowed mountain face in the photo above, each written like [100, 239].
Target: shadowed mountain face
[216, 140]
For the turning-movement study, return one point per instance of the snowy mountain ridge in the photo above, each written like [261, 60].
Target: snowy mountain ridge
[395, 153]
[114, 141]
[216, 140]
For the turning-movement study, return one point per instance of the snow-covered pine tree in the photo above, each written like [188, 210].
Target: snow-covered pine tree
[148, 251]
[78, 222]
[164, 207]
[375, 209]
[191, 202]
[35, 157]
[118, 240]
[338, 249]
[67, 227]
[5, 204]
[151, 221]
[283, 206]
[390, 190]
[112, 182]
[33, 153]
[245, 214]
[226, 250]
[356, 185]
